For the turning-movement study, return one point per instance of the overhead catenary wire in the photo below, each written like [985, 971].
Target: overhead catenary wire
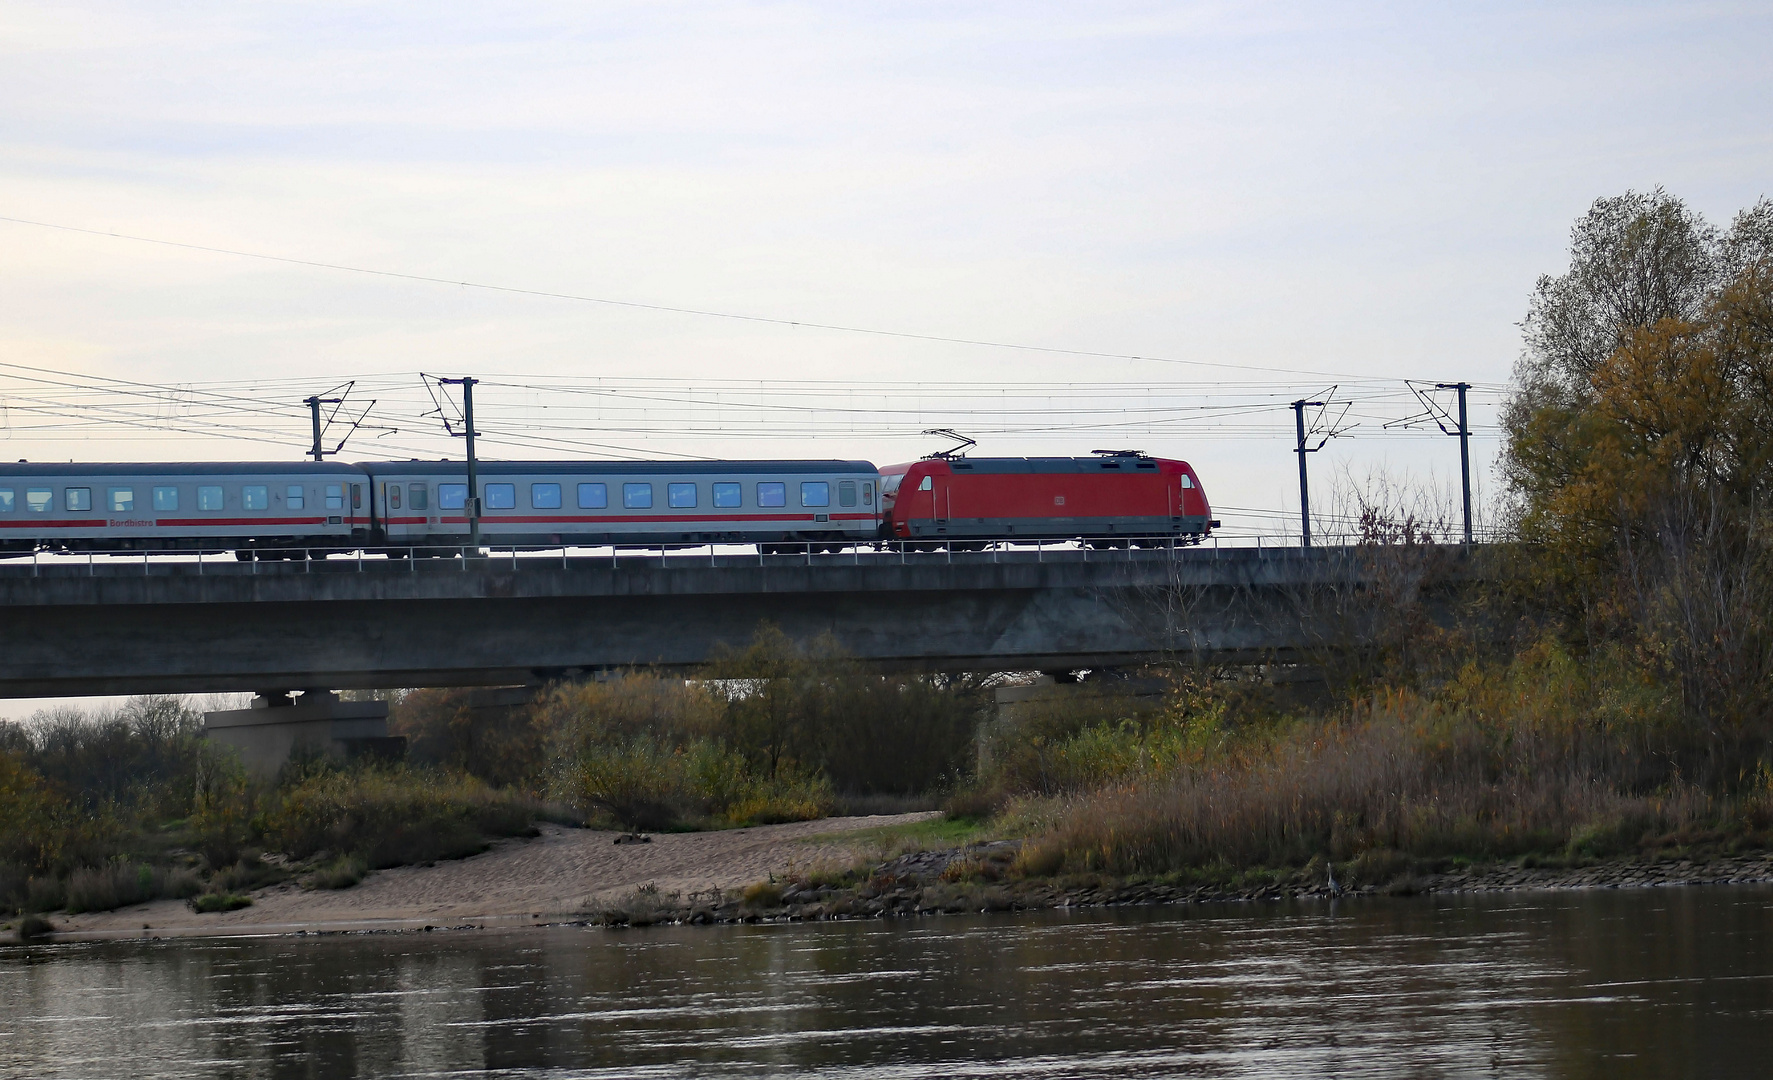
[675, 309]
[580, 414]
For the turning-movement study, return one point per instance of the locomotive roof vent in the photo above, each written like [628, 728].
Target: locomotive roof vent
[1121, 453]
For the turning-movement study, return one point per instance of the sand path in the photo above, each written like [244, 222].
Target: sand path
[562, 873]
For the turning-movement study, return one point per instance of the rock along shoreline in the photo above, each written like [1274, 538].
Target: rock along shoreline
[979, 878]
[976, 879]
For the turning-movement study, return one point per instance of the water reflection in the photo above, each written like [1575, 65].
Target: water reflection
[1620, 984]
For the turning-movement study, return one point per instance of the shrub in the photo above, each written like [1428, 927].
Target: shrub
[642, 907]
[342, 873]
[1540, 755]
[123, 883]
[222, 805]
[34, 926]
[672, 712]
[34, 817]
[762, 894]
[776, 802]
[644, 785]
[213, 902]
[645, 752]
[1092, 736]
[454, 728]
[814, 708]
[141, 756]
[641, 785]
[244, 875]
[45, 894]
[394, 816]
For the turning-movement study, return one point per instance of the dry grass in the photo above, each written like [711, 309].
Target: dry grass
[121, 884]
[1542, 756]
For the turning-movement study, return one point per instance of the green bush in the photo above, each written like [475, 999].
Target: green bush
[342, 873]
[1093, 737]
[393, 816]
[645, 785]
[814, 708]
[213, 902]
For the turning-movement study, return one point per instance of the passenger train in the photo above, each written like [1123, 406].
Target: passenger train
[275, 508]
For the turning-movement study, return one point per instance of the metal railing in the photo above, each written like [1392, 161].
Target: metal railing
[386, 558]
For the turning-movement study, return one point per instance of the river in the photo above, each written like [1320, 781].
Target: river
[1618, 984]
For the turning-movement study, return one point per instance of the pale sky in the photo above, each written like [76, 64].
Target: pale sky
[1362, 190]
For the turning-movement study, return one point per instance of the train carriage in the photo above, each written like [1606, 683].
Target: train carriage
[589, 503]
[128, 506]
[1109, 497]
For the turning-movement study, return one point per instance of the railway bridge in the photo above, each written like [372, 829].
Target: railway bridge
[115, 626]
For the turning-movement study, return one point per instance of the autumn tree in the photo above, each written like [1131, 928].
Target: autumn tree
[1640, 438]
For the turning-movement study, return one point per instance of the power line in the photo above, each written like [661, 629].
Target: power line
[668, 308]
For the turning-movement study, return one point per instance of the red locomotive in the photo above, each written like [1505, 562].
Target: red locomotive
[1112, 498]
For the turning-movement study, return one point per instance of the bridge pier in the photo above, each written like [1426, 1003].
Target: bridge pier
[279, 726]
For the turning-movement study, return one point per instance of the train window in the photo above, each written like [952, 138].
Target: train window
[889, 485]
[417, 497]
[77, 498]
[335, 496]
[728, 495]
[255, 497]
[39, 500]
[452, 496]
[6, 500]
[120, 500]
[209, 498]
[544, 496]
[637, 496]
[924, 485]
[593, 496]
[501, 496]
[393, 496]
[295, 499]
[356, 496]
[772, 494]
[815, 493]
[166, 498]
[867, 493]
[1187, 481]
[846, 493]
[680, 496]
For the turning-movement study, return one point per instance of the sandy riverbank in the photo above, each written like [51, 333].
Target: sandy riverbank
[581, 875]
[561, 874]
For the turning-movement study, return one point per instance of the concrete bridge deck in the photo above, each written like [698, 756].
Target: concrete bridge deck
[118, 626]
